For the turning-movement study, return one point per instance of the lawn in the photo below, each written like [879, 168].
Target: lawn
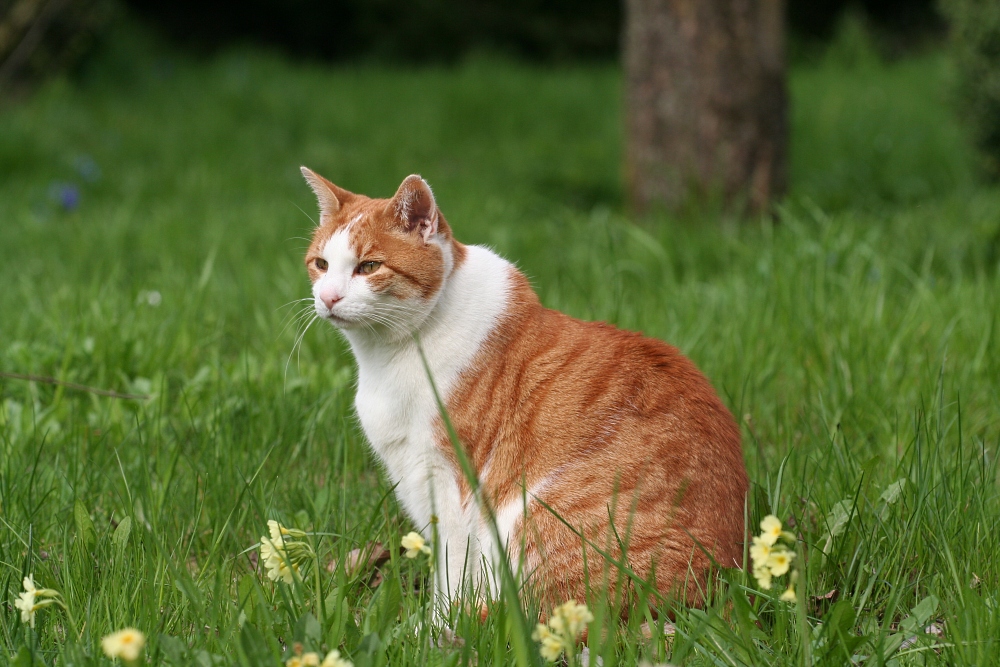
[152, 222]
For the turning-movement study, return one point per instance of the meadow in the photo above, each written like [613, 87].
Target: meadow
[152, 224]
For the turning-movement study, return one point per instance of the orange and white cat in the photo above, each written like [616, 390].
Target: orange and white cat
[618, 434]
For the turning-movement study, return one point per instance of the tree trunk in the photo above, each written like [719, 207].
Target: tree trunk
[706, 102]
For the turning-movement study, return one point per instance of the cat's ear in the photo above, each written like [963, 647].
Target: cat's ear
[330, 196]
[413, 206]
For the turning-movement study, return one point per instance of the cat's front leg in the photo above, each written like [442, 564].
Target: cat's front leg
[457, 558]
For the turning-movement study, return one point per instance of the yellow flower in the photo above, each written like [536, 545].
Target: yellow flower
[276, 561]
[769, 558]
[568, 620]
[28, 603]
[770, 529]
[284, 552]
[779, 561]
[279, 568]
[763, 577]
[759, 551]
[551, 643]
[415, 544]
[333, 659]
[789, 595]
[574, 617]
[126, 644]
[304, 660]
[269, 548]
[274, 528]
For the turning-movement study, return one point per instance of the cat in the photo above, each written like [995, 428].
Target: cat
[564, 421]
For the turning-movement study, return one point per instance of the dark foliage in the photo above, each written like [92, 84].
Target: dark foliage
[38, 37]
[417, 30]
[975, 39]
[818, 18]
[436, 30]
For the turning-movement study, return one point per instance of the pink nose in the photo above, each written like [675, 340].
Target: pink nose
[329, 297]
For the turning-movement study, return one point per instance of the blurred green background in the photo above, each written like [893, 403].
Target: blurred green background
[152, 222]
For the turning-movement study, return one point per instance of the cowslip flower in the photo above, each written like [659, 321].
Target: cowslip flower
[551, 644]
[276, 561]
[568, 620]
[305, 660]
[415, 544]
[283, 552]
[772, 556]
[759, 550]
[32, 599]
[770, 529]
[572, 617]
[26, 601]
[333, 659]
[763, 577]
[779, 562]
[126, 644]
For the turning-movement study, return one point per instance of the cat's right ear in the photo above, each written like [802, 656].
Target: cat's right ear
[329, 196]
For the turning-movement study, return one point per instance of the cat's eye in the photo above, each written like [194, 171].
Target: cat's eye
[364, 268]
[322, 264]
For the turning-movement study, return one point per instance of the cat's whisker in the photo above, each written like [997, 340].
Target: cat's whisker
[297, 319]
[298, 348]
[298, 314]
[293, 302]
[297, 344]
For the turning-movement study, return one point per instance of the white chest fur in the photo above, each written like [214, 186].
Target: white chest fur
[396, 404]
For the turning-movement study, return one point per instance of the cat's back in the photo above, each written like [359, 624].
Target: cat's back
[572, 377]
[587, 417]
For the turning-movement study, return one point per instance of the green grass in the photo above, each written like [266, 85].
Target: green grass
[857, 339]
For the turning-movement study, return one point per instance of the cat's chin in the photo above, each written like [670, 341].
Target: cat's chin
[340, 322]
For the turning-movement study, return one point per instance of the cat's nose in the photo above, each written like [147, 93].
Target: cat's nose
[329, 296]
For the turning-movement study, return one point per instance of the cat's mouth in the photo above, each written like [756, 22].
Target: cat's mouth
[341, 322]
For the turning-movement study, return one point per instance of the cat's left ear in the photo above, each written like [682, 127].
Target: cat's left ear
[329, 196]
[413, 205]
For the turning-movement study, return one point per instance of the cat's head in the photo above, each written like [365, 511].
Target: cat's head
[378, 265]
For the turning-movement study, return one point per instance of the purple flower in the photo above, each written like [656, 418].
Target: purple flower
[66, 195]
